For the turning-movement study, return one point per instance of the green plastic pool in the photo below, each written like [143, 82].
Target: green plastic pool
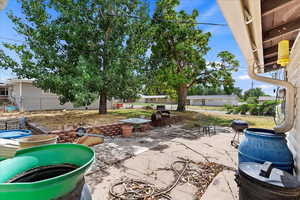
[42, 156]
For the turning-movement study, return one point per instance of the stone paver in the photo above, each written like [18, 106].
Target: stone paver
[158, 149]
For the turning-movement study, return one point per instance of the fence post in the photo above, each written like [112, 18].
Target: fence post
[40, 103]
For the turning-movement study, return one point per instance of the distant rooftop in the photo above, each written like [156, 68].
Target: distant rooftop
[266, 98]
[154, 96]
[213, 97]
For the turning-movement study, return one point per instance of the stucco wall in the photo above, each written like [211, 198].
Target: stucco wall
[293, 136]
[213, 102]
[33, 98]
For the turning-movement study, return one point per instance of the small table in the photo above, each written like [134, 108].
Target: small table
[136, 122]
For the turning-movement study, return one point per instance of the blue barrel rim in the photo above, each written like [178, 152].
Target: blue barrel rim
[261, 132]
[257, 160]
[24, 133]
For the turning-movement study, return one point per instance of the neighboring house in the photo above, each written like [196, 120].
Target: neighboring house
[154, 99]
[262, 99]
[213, 100]
[258, 26]
[3, 92]
[27, 97]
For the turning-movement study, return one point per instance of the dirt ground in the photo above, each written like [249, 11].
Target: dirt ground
[56, 120]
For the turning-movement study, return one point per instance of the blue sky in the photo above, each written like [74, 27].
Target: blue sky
[222, 38]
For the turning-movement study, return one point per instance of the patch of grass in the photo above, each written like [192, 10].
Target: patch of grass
[194, 119]
[56, 120]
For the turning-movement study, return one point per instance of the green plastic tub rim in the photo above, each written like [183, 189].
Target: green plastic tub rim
[61, 184]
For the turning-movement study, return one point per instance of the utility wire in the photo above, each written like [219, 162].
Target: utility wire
[11, 39]
[169, 21]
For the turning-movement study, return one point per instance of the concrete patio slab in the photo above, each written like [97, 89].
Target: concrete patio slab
[223, 187]
[148, 166]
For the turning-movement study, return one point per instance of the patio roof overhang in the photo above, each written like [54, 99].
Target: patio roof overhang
[258, 26]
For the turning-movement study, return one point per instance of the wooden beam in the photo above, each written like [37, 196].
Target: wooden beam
[269, 68]
[273, 50]
[270, 6]
[269, 61]
[282, 30]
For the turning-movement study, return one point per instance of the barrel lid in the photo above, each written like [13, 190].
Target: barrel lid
[263, 132]
[239, 122]
[276, 177]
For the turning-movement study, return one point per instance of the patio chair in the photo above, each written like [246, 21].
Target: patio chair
[208, 130]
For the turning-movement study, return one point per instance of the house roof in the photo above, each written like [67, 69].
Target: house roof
[14, 81]
[233, 97]
[266, 98]
[3, 85]
[154, 96]
[259, 25]
[10, 81]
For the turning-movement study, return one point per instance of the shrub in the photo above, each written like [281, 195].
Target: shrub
[229, 108]
[254, 109]
[244, 108]
[267, 108]
[252, 100]
[237, 110]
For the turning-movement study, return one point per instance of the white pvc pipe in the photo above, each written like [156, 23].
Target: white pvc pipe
[290, 99]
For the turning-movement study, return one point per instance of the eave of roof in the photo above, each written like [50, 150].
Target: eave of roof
[212, 97]
[258, 26]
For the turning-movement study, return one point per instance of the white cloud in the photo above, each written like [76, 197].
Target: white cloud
[244, 77]
[189, 5]
[5, 74]
[266, 86]
[210, 11]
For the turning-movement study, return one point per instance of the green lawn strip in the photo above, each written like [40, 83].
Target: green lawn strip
[195, 119]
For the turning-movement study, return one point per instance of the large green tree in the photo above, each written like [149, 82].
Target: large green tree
[199, 89]
[178, 51]
[81, 50]
[254, 92]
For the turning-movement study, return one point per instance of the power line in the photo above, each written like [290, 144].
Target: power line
[11, 39]
[169, 21]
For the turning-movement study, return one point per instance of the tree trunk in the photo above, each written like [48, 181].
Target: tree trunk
[182, 94]
[103, 103]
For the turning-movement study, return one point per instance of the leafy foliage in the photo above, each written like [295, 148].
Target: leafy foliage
[255, 92]
[81, 50]
[201, 90]
[267, 108]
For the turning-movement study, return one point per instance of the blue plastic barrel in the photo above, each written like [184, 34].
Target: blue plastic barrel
[13, 134]
[260, 145]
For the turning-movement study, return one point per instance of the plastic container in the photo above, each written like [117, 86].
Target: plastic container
[37, 140]
[263, 182]
[10, 108]
[17, 181]
[127, 130]
[260, 145]
[14, 134]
